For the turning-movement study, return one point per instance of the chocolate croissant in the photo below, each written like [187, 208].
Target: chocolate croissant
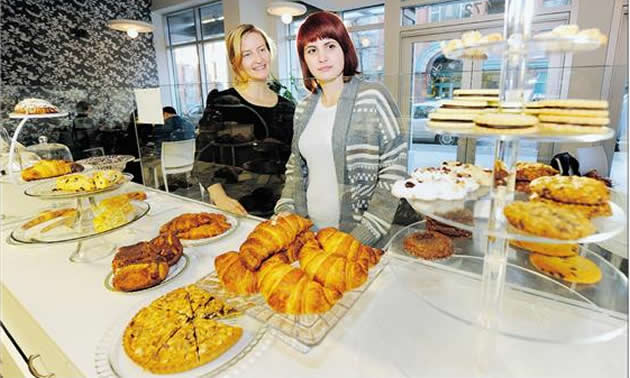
[270, 237]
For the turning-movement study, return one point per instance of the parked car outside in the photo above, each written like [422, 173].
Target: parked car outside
[419, 131]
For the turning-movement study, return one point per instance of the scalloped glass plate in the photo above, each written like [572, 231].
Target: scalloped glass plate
[173, 272]
[478, 211]
[197, 242]
[606, 133]
[46, 190]
[303, 331]
[63, 233]
[35, 116]
[117, 162]
[536, 307]
[111, 360]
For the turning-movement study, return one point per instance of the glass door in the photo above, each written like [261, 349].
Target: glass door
[428, 77]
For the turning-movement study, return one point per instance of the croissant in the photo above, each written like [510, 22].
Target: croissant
[331, 270]
[185, 222]
[293, 250]
[340, 243]
[270, 237]
[205, 231]
[289, 290]
[233, 274]
[49, 168]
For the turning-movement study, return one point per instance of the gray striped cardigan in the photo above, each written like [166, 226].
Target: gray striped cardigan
[370, 154]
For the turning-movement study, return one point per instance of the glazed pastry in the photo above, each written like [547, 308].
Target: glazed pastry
[340, 243]
[35, 106]
[233, 274]
[140, 275]
[331, 270]
[49, 168]
[289, 290]
[270, 237]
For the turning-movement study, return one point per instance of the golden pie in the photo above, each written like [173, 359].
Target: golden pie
[178, 331]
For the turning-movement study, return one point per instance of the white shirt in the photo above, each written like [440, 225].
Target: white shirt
[322, 193]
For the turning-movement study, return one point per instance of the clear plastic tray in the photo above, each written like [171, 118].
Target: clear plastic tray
[74, 232]
[46, 190]
[304, 331]
[536, 307]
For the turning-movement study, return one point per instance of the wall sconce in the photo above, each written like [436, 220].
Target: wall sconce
[286, 10]
[131, 27]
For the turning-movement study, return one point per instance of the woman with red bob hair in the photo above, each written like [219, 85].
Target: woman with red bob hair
[348, 145]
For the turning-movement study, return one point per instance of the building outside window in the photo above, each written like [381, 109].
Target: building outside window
[365, 26]
[197, 56]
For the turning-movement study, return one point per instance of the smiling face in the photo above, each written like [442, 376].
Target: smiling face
[324, 58]
[255, 56]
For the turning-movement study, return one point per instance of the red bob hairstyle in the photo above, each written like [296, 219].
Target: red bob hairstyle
[323, 25]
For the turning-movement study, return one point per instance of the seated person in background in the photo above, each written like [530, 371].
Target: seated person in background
[250, 101]
[175, 128]
[84, 131]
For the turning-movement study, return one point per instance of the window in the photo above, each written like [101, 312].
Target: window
[197, 55]
[365, 26]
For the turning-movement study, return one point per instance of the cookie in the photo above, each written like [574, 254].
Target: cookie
[445, 229]
[522, 186]
[574, 120]
[571, 189]
[557, 128]
[505, 121]
[575, 269]
[450, 124]
[557, 250]
[462, 106]
[528, 171]
[491, 96]
[589, 211]
[428, 245]
[573, 104]
[544, 220]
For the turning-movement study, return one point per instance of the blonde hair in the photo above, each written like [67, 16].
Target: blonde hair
[233, 44]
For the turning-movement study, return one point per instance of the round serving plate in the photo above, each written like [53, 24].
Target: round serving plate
[173, 272]
[536, 307]
[46, 190]
[66, 233]
[233, 221]
[111, 360]
[547, 43]
[36, 116]
[117, 162]
[478, 212]
[474, 132]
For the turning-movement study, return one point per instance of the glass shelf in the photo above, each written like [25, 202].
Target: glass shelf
[472, 215]
[536, 307]
[478, 132]
[546, 43]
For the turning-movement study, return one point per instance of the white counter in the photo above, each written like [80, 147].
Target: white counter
[390, 332]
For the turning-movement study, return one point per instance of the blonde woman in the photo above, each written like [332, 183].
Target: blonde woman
[250, 101]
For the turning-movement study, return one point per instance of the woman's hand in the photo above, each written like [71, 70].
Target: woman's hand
[225, 202]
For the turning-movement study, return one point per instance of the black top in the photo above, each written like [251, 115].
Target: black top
[269, 122]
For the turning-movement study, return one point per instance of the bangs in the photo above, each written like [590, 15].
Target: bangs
[311, 32]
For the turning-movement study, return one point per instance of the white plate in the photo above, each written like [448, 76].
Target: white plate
[197, 242]
[112, 361]
[173, 272]
[46, 190]
[46, 115]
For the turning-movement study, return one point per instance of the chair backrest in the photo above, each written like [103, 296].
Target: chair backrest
[178, 154]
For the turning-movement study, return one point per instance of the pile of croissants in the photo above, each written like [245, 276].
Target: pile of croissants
[331, 263]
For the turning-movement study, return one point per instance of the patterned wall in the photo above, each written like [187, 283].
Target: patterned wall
[63, 51]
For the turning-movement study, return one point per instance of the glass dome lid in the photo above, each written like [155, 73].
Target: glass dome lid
[50, 151]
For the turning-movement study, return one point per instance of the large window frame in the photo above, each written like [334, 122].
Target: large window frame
[199, 44]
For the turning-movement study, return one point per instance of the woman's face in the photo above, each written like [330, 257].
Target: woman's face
[256, 56]
[324, 58]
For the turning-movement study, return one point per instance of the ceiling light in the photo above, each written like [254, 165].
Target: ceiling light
[286, 10]
[131, 27]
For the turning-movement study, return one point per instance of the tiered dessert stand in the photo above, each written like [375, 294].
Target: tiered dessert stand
[496, 289]
[91, 245]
